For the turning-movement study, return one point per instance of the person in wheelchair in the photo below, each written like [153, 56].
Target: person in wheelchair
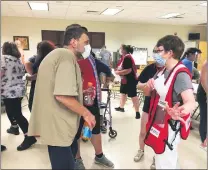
[90, 69]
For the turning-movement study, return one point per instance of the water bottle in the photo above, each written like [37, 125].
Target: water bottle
[89, 95]
[87, 133]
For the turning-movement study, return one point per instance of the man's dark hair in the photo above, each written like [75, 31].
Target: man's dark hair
[10, 48]
[73, 31]
[174, 43]
[85, 29]
[128, 48]
[73, 26]
[191, 51]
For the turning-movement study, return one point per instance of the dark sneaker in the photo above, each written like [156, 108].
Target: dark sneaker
[104, 162]
[13, 130]
[79, 164]
[3, 148]
[103, 129]
[27, 143]
[120, 109]
[137, 115]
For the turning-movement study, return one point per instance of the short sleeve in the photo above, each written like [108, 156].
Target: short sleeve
[65, 77]
[32, 59]
[183, 82]
[146, 74]
[3, 63]
[102, 68]
[127, 63]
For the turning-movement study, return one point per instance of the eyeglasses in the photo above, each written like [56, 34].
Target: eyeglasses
[157, 51]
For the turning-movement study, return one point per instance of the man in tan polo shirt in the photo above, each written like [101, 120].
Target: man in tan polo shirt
[57, 105]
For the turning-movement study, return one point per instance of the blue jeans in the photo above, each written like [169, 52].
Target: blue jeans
[61, 157]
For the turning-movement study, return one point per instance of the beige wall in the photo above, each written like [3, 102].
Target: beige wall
[140, 35]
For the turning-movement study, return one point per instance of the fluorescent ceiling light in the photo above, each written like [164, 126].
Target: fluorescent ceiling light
[111, 11]
[38, 6]
[203, 4]
[171, 15]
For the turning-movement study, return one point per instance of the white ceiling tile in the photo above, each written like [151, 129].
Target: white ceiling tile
[15, 2]
[81, 3]
[20, 7]
[76, 11]
[58, 8]
[97, 6]
[41, 13]
[60, 2]
[39, 1]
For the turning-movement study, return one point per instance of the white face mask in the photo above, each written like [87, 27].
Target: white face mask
[87, 51]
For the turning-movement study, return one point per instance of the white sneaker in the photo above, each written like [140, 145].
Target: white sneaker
[153, 164]
[139, 155]
[203, 147]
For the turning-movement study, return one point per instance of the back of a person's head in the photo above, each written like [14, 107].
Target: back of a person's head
[128, 48]
[172, 43]
[74, 31]
[10, 48]
[44, 48]
[18, 43]
[191, 51]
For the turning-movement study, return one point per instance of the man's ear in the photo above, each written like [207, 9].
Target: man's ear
[73, 43]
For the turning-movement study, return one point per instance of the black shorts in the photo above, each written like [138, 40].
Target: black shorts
[129, 89]
[96, 130]
[146, 105]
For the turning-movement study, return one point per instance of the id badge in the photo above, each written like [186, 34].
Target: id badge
[162, 104]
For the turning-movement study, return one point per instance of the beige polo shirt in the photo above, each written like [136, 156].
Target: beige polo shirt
[58, 74]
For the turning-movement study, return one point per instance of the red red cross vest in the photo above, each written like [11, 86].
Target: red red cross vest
[87, 77]
[159, 120]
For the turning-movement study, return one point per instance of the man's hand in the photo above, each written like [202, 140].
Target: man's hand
[90, 119]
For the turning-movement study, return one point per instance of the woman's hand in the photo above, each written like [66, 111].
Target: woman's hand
[176, 112]
[151, 83]
[148, 87]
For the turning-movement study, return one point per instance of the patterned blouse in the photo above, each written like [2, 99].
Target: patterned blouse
[12, 72]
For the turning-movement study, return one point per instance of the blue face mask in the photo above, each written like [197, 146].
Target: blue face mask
[159, 60]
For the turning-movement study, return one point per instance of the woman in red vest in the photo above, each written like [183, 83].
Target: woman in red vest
[172, 101]
[128, 72]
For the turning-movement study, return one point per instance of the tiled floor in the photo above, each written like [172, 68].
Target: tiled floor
[120, 150]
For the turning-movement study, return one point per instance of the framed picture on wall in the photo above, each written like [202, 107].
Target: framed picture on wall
[24, 41]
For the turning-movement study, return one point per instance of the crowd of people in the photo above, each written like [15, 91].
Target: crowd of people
[60, 77]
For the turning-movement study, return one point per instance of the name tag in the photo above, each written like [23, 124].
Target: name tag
[188, 122]
[154, 132]
[162, 104]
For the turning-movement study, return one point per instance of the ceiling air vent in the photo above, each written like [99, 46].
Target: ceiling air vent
[176, 17]
[93, 12]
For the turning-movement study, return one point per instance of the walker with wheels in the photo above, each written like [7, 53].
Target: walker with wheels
[104, 122]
